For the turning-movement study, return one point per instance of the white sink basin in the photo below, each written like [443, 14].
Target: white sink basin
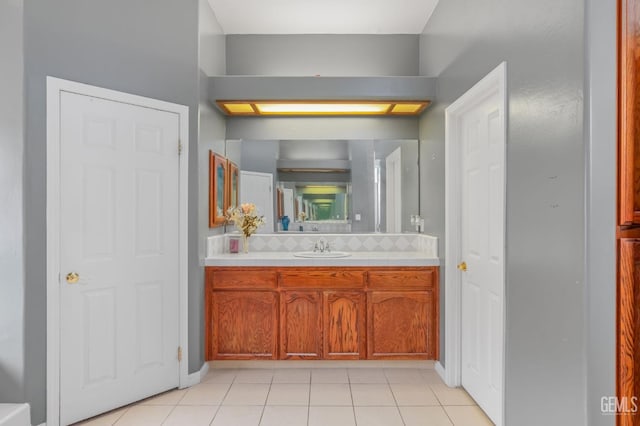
[322, 255]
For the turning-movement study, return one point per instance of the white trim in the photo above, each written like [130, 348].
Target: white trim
[442, 372]
[197, 377]
[496, 80]
[54, 87]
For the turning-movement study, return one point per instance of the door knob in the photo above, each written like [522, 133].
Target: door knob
[462, 266]
[73, 277]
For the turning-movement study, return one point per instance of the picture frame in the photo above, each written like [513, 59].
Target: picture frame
[218, 192]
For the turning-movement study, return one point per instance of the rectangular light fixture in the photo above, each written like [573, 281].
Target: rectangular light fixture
[320, 108]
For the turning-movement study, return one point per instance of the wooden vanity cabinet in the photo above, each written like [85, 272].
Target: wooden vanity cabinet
[628, 208]
[241, 313]
[300, 325]
[244, 325]
[402, 314]
[321, 313]
[344, 331]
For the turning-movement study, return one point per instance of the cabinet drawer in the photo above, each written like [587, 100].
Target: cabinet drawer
[322, 278]
[242, 278]
[418, 279]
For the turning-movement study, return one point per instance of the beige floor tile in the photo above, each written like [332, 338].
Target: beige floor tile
[288, 394]
[192, 415]
[220, 375]
[372, 394]
[425, 416]
[404, 375]
[247, 394]
[331, 416]
[205, 394]
[329, 375]
[254, 376]
[292, 375]
[378, 416]
[284, 416]
[452, 396]
[366, 375]
[468, 416]
[431, 377]
[106, 419]
[171, 397]
[145, 415]
[237, 416]
[330, 394]
[413, 394]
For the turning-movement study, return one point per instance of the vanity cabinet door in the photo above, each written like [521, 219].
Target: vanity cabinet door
[400, 325]
[628, 326]
[244, 325]
[629, 113]
[344, 325]
[300, 325]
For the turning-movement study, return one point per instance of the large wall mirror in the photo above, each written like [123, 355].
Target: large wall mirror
[336, 185]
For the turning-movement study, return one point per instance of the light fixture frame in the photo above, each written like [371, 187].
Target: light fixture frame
[222, 104]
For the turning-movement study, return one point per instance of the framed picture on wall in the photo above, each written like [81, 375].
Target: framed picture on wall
[218, 194]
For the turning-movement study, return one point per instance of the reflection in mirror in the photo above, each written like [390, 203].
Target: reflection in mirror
[337, 185]
[318, 202]
[234, 185]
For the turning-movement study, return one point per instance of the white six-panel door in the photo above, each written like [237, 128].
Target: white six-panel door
[482, 145]
[257, 188]
[119, 232]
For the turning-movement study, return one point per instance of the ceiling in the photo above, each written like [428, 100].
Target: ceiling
[323, 16]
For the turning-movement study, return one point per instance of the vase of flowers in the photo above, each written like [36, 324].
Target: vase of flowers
[246, 220]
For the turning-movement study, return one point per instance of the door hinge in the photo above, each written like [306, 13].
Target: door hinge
[179, 147]
[179, 353]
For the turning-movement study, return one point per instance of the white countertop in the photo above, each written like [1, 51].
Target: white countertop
[358, 258]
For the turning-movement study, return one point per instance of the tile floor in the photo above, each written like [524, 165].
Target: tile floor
[306, 397]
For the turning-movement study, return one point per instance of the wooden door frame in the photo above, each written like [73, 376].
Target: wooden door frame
[55, 87]
[496, 80]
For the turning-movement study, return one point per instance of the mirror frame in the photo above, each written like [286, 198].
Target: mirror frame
[216, 161]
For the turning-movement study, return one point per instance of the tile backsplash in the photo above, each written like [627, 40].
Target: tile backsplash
[293, 242]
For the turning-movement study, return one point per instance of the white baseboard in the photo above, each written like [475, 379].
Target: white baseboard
[441, 371]
[195, 378]
[15, 414]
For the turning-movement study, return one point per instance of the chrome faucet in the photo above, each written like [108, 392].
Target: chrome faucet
[321, 246]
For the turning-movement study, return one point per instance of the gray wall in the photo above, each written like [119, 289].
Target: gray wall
[326, 55]
[542, 42]
[600, 126]
[211, 135]
[148, 48]
[11, 188]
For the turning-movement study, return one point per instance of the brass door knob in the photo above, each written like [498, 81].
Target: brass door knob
[73, 277]
[462, 266]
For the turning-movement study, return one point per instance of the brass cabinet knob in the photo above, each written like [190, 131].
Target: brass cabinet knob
[73, 277]
[462, 266]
